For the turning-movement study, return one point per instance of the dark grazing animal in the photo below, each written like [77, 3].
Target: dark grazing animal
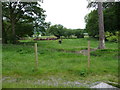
[60, 41]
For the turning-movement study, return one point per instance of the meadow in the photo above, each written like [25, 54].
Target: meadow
[59, 66]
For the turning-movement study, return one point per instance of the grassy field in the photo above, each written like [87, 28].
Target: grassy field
[0, 66]
[58, 67]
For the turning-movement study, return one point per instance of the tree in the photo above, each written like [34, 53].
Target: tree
[101, 27]
[111, 20]
[111, 15]
[47, 28]
[68, 32]
[79, 33]
[114, 9]
[57, 30]
[101, 23]
[23, 30]
[92, 24]
[14, 12]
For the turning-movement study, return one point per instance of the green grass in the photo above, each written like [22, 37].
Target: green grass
[0, 65]
[57, 66]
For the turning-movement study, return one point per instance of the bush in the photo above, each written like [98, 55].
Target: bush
[112, 37]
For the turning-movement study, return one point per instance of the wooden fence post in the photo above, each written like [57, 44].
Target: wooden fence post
[36, 57]
[88, 55]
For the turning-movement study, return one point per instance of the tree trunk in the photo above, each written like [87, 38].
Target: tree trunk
[12, 19]
[4, 35]
[101, 27]
[13, 32]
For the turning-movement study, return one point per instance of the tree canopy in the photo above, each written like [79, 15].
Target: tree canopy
[57, 30]
[15, 14]
[110, 19]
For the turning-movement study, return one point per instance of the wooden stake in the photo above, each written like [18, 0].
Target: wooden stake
[36, 57]
[88, 55]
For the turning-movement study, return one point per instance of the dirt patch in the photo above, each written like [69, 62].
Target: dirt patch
[84, 51]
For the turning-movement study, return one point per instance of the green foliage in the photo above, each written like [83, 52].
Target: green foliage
[92, 23]
[111, 19]
[83, 73]
[24, 29]
[57, 30]
[112, 37]
[21, 14]
[79, 33]
[68, 33]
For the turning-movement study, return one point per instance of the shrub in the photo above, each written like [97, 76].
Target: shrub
[112, 37]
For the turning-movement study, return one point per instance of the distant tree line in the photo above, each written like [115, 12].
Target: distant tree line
[21, 19]
[59, 31]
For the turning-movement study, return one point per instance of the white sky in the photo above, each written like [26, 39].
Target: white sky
[69, 13]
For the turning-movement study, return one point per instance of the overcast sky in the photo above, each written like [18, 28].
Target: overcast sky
[69, 13]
